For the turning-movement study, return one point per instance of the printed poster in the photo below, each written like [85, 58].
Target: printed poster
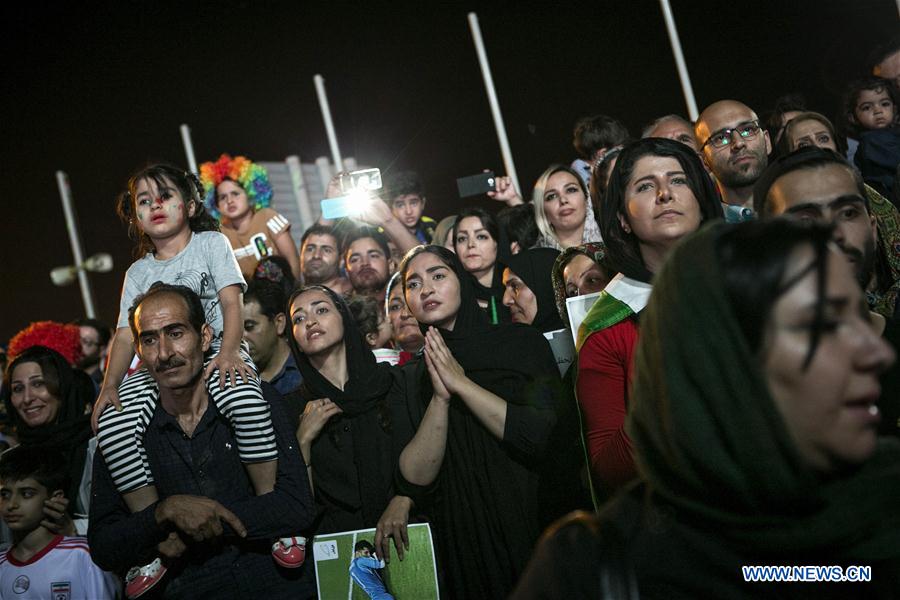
[347, 568]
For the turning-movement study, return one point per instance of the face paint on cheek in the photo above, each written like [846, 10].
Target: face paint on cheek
[141, 215]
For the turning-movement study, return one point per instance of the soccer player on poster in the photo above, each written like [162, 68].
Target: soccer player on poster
[364, 571]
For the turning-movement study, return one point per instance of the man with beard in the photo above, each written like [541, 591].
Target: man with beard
[819, 185]
[95, 337]
[264, 325]
[320, 257]
[735, 148]
[367, 259]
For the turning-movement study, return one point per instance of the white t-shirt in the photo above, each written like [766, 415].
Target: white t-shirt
[206, 265]
[61, 571]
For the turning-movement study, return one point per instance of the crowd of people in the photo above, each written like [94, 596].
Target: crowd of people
[725, 394]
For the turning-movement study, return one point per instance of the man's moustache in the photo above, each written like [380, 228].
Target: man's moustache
[162, 367]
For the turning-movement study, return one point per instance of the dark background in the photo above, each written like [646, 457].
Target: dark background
[98, 90]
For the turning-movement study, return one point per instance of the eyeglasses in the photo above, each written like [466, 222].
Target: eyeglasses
[722, 138]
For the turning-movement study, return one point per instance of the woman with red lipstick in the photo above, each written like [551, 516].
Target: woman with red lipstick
[472, 414]
[477, 243]
[658, 193]
[45, 399]
[562, 209]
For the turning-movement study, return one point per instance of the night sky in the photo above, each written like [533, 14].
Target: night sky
[99, 90]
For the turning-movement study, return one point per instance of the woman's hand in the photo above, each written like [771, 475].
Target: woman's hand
[448, 370]
[392, 525]
[109, 395]
[56, 519]
[506, 192]
[313, 419]
[230, 366]
[440, 390]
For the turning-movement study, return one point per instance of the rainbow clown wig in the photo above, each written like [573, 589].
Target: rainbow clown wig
[241, 170]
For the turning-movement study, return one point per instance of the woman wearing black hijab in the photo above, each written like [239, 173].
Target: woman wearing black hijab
[531, 297]
[45, 400]
[345, 426]
[529, 289]
[482, 249]
[475, 411]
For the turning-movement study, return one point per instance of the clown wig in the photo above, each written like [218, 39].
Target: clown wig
[241, 170]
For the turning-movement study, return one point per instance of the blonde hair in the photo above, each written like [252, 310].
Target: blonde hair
[537, 199]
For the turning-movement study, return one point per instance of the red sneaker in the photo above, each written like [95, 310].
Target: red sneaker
[140, 580]
[289, 552]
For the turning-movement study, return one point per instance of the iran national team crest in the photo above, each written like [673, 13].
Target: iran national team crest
[21, 584]
[61, 590]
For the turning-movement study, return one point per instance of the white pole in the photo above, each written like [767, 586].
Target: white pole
[301, 195]
[65, 193]
[189, 148]
[679, 60]
[492, 100]
[329, 124]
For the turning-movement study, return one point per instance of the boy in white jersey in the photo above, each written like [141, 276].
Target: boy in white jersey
[41, 564]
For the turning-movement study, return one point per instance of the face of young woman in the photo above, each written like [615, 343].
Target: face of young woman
[30, 397]
[316, 323]
[432, 291]
[564, 203]
[811, 132]
[874, 109]
[660, 207]
[231, 200]
[829, 406]
[583, 276]
[405, 328]
[161, 211]
[519, 298]
[475, 246]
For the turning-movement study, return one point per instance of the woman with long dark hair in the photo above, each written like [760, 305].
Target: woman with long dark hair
[658, 193]
[475, 412]
[344, 427]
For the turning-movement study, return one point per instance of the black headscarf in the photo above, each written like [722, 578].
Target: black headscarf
[487, 487]
[71, 431]
[535, 268]
[362, 401]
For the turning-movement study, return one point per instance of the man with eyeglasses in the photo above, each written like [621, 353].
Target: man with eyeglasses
[94, 344]
[736, 149]
[820, 185]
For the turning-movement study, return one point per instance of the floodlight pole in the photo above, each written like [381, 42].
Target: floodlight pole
[65, 193]
[679, 60]
[492, 100]
[319, 81]
[189, 148]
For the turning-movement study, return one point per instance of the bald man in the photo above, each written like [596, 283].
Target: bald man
[735, 148]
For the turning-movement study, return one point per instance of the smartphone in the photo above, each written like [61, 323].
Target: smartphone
[342, 206]
[475, 185]
[364, 179]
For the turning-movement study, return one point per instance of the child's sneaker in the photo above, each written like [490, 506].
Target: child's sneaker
[289, 552]
[140, 580]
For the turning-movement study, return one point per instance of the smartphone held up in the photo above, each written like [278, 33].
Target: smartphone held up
[357, 188]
